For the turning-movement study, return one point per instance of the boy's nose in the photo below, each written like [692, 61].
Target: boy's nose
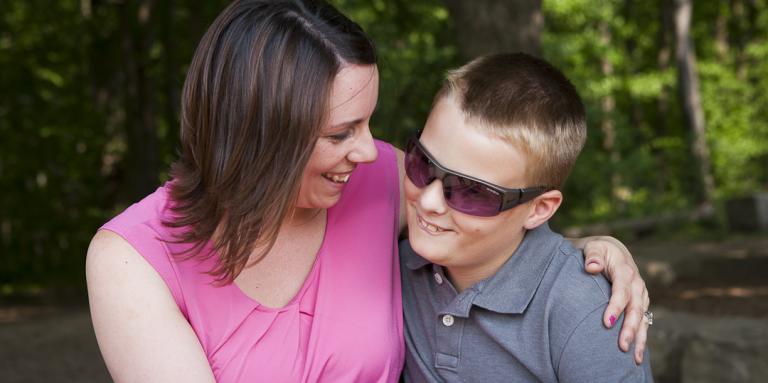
[432, 199]
[364, 150]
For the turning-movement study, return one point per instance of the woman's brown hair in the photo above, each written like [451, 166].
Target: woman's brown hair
[255, 97]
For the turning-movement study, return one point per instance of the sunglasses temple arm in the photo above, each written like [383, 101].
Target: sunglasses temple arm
[531, 193]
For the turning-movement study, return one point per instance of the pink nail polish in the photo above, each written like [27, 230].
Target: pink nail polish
[612, 319]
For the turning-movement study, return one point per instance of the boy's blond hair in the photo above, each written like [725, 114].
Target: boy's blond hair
[527, 102]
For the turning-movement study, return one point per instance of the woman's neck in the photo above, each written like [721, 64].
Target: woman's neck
[301, 217]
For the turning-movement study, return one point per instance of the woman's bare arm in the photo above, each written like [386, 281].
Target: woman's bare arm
[142, 335]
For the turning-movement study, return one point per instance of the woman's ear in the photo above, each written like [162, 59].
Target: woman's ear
[542, 208]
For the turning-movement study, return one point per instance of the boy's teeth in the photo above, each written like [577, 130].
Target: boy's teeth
[430, 227]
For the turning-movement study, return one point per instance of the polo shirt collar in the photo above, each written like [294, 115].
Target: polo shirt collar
[511, 288]
[412, 260]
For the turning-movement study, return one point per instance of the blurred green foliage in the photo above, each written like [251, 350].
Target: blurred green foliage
[72, 73]
[655, 165]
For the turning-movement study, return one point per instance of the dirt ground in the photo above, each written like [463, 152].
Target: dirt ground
[712, 278]
[49, 344]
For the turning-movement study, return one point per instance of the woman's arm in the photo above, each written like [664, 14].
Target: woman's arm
[628, 292]
[142, 335]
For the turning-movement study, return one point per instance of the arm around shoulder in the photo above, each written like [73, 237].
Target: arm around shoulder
[591, 354]
[142, 335]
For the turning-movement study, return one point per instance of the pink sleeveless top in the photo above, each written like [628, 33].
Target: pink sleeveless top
[344, 325]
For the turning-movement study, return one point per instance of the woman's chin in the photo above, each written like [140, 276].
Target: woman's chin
[318, 202]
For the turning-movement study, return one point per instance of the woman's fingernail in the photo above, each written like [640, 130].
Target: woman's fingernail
[612, 319]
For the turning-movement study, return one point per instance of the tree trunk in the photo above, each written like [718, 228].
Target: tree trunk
[721, 32]
[607, 125]
[636, 113]
[490, 26]
[172, 99]
[691, 98]
[743, 20]
[737, 10]
[141, 129]
[666, 30]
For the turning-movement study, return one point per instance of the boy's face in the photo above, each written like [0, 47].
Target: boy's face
[448, 237]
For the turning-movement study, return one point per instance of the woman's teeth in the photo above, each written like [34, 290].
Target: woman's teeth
[338, 178]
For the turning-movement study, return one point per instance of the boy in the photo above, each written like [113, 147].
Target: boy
[490, 294]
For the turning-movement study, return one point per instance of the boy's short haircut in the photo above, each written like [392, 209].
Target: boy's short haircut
[527, 102]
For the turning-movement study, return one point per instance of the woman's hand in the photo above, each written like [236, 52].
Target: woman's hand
[629, 294]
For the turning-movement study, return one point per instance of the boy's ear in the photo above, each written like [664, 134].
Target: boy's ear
[542, 208]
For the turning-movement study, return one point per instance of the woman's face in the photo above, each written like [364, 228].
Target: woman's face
[345, 140]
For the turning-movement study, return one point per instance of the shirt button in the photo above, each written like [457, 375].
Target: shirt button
[448, 320]
[438, 279]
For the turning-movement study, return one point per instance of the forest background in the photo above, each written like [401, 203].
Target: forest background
[89, 107]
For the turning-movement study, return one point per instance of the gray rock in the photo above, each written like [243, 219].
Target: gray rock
[691, 348]
[748, 213]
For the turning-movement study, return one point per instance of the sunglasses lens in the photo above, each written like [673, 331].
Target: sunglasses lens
[417, 166]
[462, 194]
[470, 197]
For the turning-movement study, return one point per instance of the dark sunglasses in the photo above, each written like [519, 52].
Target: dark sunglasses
[463, 193]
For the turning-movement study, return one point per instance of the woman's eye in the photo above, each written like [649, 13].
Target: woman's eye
[339, 137]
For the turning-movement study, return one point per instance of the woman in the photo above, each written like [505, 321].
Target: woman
[270, 256]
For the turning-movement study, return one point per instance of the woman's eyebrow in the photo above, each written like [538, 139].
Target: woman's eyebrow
[347, 123]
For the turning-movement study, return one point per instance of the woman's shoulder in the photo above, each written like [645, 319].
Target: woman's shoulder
[137, 235]
[142, 225]
[111, 260]
[134, 312]
[137, 262]
[108, 252]
[150, 208]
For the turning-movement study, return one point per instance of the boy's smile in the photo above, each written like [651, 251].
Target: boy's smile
[430, 227]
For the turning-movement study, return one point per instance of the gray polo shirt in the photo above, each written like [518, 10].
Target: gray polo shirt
[539, 318]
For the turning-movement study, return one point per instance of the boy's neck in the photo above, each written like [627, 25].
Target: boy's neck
[463, 278]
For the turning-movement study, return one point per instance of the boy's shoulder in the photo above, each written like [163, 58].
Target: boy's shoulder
[575, 303]
[570, 292]
[571, 284]
[571, 299]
